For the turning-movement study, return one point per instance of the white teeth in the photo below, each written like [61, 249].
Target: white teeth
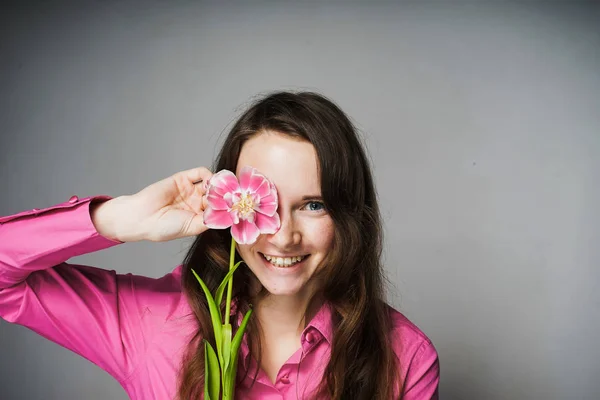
[283, 261]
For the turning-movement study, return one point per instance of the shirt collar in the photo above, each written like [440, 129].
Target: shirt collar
[321, 322]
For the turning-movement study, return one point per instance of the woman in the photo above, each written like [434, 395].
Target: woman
[320, 328]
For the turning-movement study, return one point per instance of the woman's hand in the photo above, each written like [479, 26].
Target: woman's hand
[168, 209]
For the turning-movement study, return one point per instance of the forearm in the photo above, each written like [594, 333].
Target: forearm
[38, 240]
[103, 215]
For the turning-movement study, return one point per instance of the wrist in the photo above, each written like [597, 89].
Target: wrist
[104, 216]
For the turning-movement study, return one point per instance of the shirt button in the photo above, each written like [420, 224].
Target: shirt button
[310, 337]
[284, 379]
[73, 199]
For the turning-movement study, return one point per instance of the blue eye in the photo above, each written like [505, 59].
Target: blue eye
[315, 206]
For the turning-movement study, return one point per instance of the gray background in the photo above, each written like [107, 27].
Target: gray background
[482, 120]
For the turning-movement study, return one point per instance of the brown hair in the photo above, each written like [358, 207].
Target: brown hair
[362, 364]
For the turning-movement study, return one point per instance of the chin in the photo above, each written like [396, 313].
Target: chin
[285, 291]
[282, 287]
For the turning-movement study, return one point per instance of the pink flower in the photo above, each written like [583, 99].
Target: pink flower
[249, 206]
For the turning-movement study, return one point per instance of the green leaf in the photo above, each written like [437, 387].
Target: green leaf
[229, 377]
[226, 346]
[237, 339]
[212, 376]
[214, 314]
[221, 288]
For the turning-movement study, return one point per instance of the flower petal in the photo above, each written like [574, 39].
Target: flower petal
[245, 232]
[224, 181]
[235, 216]
[267, 224]
[217, 219]
[264, 188]
[229, 199]
[249, 217]
[253, 181]
[268, 209]
[216, 202]
[245, 175]
[268, 204]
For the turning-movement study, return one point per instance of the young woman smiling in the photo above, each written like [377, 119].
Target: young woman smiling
[320, 328]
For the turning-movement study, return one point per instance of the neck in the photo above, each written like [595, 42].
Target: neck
[284, 316]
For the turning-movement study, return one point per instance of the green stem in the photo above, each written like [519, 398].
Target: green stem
[230, 283]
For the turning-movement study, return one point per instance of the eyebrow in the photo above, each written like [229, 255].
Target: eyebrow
[312, 197]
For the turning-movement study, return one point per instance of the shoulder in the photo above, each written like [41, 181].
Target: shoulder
[410, 343]
[160, 298]
[166, 286]
[406, 330]
[417, 356]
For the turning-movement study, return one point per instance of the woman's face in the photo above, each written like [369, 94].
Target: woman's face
[306, 228]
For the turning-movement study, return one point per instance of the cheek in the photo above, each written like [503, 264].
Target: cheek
[248, 250]
[244, 250]
[323, 234]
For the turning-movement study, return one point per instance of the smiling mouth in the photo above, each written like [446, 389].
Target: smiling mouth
[284, 262]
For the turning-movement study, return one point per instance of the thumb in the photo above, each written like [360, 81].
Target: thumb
[196, 225]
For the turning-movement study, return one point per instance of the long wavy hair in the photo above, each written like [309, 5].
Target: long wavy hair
[362, 363]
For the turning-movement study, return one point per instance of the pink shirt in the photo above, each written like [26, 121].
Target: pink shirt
[136, 328]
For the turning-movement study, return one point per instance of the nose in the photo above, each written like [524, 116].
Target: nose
[288, 234]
